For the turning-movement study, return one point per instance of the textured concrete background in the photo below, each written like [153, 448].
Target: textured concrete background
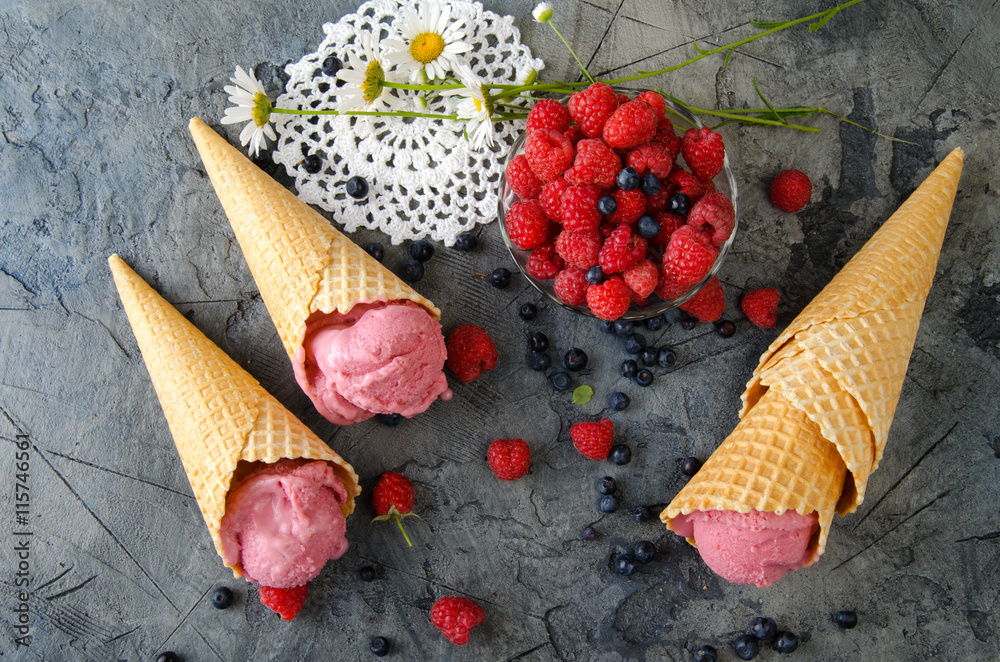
[97, 159]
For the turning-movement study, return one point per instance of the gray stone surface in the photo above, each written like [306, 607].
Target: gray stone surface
[97, 159]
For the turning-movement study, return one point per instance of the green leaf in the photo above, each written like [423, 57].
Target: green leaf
[767, 103]
[767, 25]
[729, 54]
[582, 395]
[698, 48]
[823, 21]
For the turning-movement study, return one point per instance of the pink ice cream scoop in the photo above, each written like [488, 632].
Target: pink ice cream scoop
[380, 358]
[750, 548]
[283, 522]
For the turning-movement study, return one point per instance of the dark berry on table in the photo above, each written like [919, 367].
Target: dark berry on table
[628, 179]
[706, 654]
[168, 656]
[746, 647]
[763, 628]
[629, 369]
[608, 485]
[846, 619]
[595, 275]
[647, 227]
[674, 316]
[559, 381]
[619, 401]
[539, 361]
[644, 378]
[665, 357]
[312, 164]
[641, 514]
[688, 323]
[332, 65]
[376, 250]
[679, 203]
[222, 598]
[413, 270]
[624, 327]
[538, 341]
[421, 250]
[655, 323]
[575, 359]
[588, 534]
[528, 311]
[644, 551]
[649, 356]
[356, 187]
[620, 454]
[625, 564]
[607, 326]
[787, 642]
[609, 503]
[379, 646]
[466, 241]
[635, 343]
[390, 420]
[650, 184]
[500, 278]
[690, 466]
[367, 573]
[607, 205]
[725, 328]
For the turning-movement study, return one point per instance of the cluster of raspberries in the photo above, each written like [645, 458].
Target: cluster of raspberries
[606, 211]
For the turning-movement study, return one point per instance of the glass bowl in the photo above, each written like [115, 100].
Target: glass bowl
[725, 183]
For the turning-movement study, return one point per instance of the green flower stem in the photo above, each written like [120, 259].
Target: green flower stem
[394, 113]
[421, 88]
[740, 117]
[583, 69]
[399, 521]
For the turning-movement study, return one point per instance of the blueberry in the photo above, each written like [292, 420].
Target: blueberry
[679, 203]
[725, 328]
[655, 323]
[649, 356]
[367, 573]
[706, 654]
[625, 564]
[413, 270]
[746, 647]
[379, 646]
[650, 184]
[332, 65]
[846, 619]
[665, 358]
[628, 179]
[635, 343]
[421, 250]
[356, 187]
[641, 514]
[528, 311]
[624, 327]
[539, 361]
[538, 341]
[466, 241]
[609, 503]
[629, 369]
[763, 628]
[559, 381]
[312, 164]
[595, 275]
[607, 326]
[690, 466]
[588, 534]
[787, 643]
[607, 205]
[376, 250]
[575, 359]
[648, 228]
[608, 485]
[620, 454]
[500, 278]
[644, 378]
[688, 323]
[222, 598]
[619, 401]
[644, 551]
[168, 656]
[390, 420]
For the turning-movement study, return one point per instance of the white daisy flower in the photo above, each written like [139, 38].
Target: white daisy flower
[430, 45]
[252, 106]
[365, 76]
[476, 107]
[543, 12]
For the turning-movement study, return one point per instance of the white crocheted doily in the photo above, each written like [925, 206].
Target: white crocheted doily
[425, 181]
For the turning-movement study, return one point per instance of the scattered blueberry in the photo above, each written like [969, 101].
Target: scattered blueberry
[787, 643]
[688, 323]
[635, 343]
[559, 381]
[625, 564]
[846, 619]
[312, 164]
[607, 326]
[595, 275]
[629, 369]
[222, 598]
[644, 378]
[421, 250]
[376, 250]
[655, 323]
[619, 401]
[641, 514]
[168, 656]
[648, 227]
[528, 311]
[650, 184]
[575, 359]
[332, 65]
[679, 203]
[609, 503]
[644, 551]
[607, 205]
[746, 647]
[608, 485]
[620, 454]
[588, 534]
[356, 187]
[624, 327]
[674, 316]
[390, 420]
[413, 270]
[367, 573]
[706, 654]
[763, 628]
[539, 361]
[690, 466]
[628, 179]
[466, 241]
[500, 278]
[379, 646]
[649, 356]
[538, 341]
[725, 328]
[665, 358]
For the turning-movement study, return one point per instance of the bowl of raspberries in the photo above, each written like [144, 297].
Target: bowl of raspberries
[611, 211]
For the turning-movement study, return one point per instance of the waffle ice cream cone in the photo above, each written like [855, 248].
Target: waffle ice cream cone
[300, 262]
[220, 417]
[817, 410]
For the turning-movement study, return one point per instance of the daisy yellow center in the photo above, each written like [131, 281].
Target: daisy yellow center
[374, 77]
[261, 109]
[486, 101]
[427, 47]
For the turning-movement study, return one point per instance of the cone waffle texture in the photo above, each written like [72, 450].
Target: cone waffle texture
[218, 414]
[832, 377]
[300, 262]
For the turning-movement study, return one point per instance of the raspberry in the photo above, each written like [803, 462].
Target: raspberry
[642, 277]
[590, 108]
[610, 299]
[656, 102]
[660, 201]
[574, 134]
[761, 307]
[622, 98]
[633, 124]
[579, 249]
[571, 286]
[455, 617]
[286, 602]
[687, 184]
[549, 153]
[651, 157]
[549, 199]
[593, 440]
[713, 215]
[544, 263]
[509, 459]
[791, 190]
[578, 206]
[668, 224]
[527, 225]
[709, 304]
[621, 250]
[393, 498]
[522, 180]
[470, 352]
[668, 289]
[630, 206]
[548, 114]
[595, 163]
[703, 151]
[670, 141]
[689, 256]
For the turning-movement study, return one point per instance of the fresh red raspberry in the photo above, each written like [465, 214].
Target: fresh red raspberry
[630, 206]
[285, 602]
[456, 616]
[668, 224]
[651, 157]
[761, 307]
[549, 153]
[633, 124]
[713, 215]
[593, 440]
[642, 277]
[595, 163]
[610, 299]
[704, 151]
[671, 142]
[668, 289]
[621, 250]
[393, 498]
[571, 285]
[579, 249]
[544, 263]
[656, 102]
[509, 459]
[522, 180]
[579, 208]
[574, 134]
[687, 184]
[622, 98]
[548, 114]
[791, 190]
[709, 304]
[689, 256]
[549, 199]
[590, 108]
[470, 352]
[527, 225]
[661, 200]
